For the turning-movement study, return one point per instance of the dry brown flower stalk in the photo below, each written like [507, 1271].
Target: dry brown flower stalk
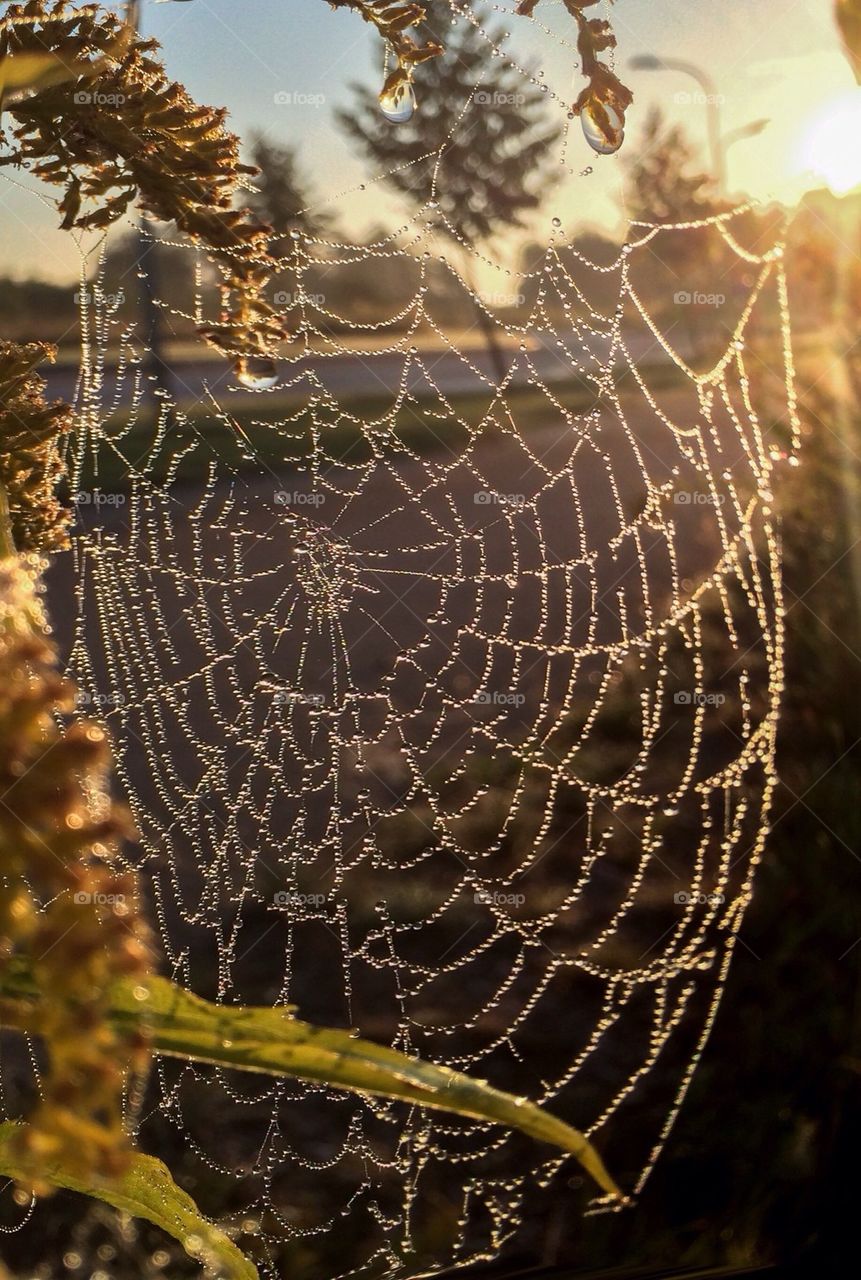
[603, 88]
[125, 133]
[65, 910]
[30, 463]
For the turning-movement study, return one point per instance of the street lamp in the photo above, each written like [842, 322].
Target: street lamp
[156, 367]
[749, 130]
[651, 62]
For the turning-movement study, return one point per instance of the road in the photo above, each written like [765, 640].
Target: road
[363, 374]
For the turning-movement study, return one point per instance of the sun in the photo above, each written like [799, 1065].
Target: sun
[828, 149]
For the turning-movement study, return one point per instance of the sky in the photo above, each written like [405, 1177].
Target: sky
[282, 67]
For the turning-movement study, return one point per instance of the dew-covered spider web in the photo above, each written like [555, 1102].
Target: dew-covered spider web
[443, 682]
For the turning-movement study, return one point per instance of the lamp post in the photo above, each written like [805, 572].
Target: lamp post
[651, 62]
[156, 367]
[749, 130]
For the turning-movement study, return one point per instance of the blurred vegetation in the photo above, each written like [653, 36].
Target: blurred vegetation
[282, 197]
[478, 150]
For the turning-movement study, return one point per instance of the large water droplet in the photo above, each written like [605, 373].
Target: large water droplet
[256, 373]
[398, 104]
[605, 134]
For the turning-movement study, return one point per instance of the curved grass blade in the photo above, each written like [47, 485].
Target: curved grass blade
[145, 1190]
[275, 1042]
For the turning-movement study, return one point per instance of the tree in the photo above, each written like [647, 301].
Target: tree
[477, 144]
[665, 185]
[282, 199]
[663, 182]
[602, 102]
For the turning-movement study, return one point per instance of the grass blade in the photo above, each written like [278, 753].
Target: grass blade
[145, 1190]
[275, 1042]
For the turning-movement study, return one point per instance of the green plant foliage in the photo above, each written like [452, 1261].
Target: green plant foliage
[145, 1190]
[275, 1042]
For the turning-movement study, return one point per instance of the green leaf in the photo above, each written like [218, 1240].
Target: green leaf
[145, 1190]
[273, 1041]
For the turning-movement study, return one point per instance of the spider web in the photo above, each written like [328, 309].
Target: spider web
[446, 707]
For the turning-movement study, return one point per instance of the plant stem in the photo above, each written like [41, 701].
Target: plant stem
[7, 544]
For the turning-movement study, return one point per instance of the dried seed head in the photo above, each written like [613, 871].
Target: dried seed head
[121, 132]
[75, 946]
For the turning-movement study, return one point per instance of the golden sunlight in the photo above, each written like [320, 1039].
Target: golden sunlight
[830, 145]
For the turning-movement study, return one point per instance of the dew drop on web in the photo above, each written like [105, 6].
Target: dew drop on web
[398, 104]
[256, 373]
[601, 139]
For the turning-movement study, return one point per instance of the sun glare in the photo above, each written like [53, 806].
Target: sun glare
[830, 145]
